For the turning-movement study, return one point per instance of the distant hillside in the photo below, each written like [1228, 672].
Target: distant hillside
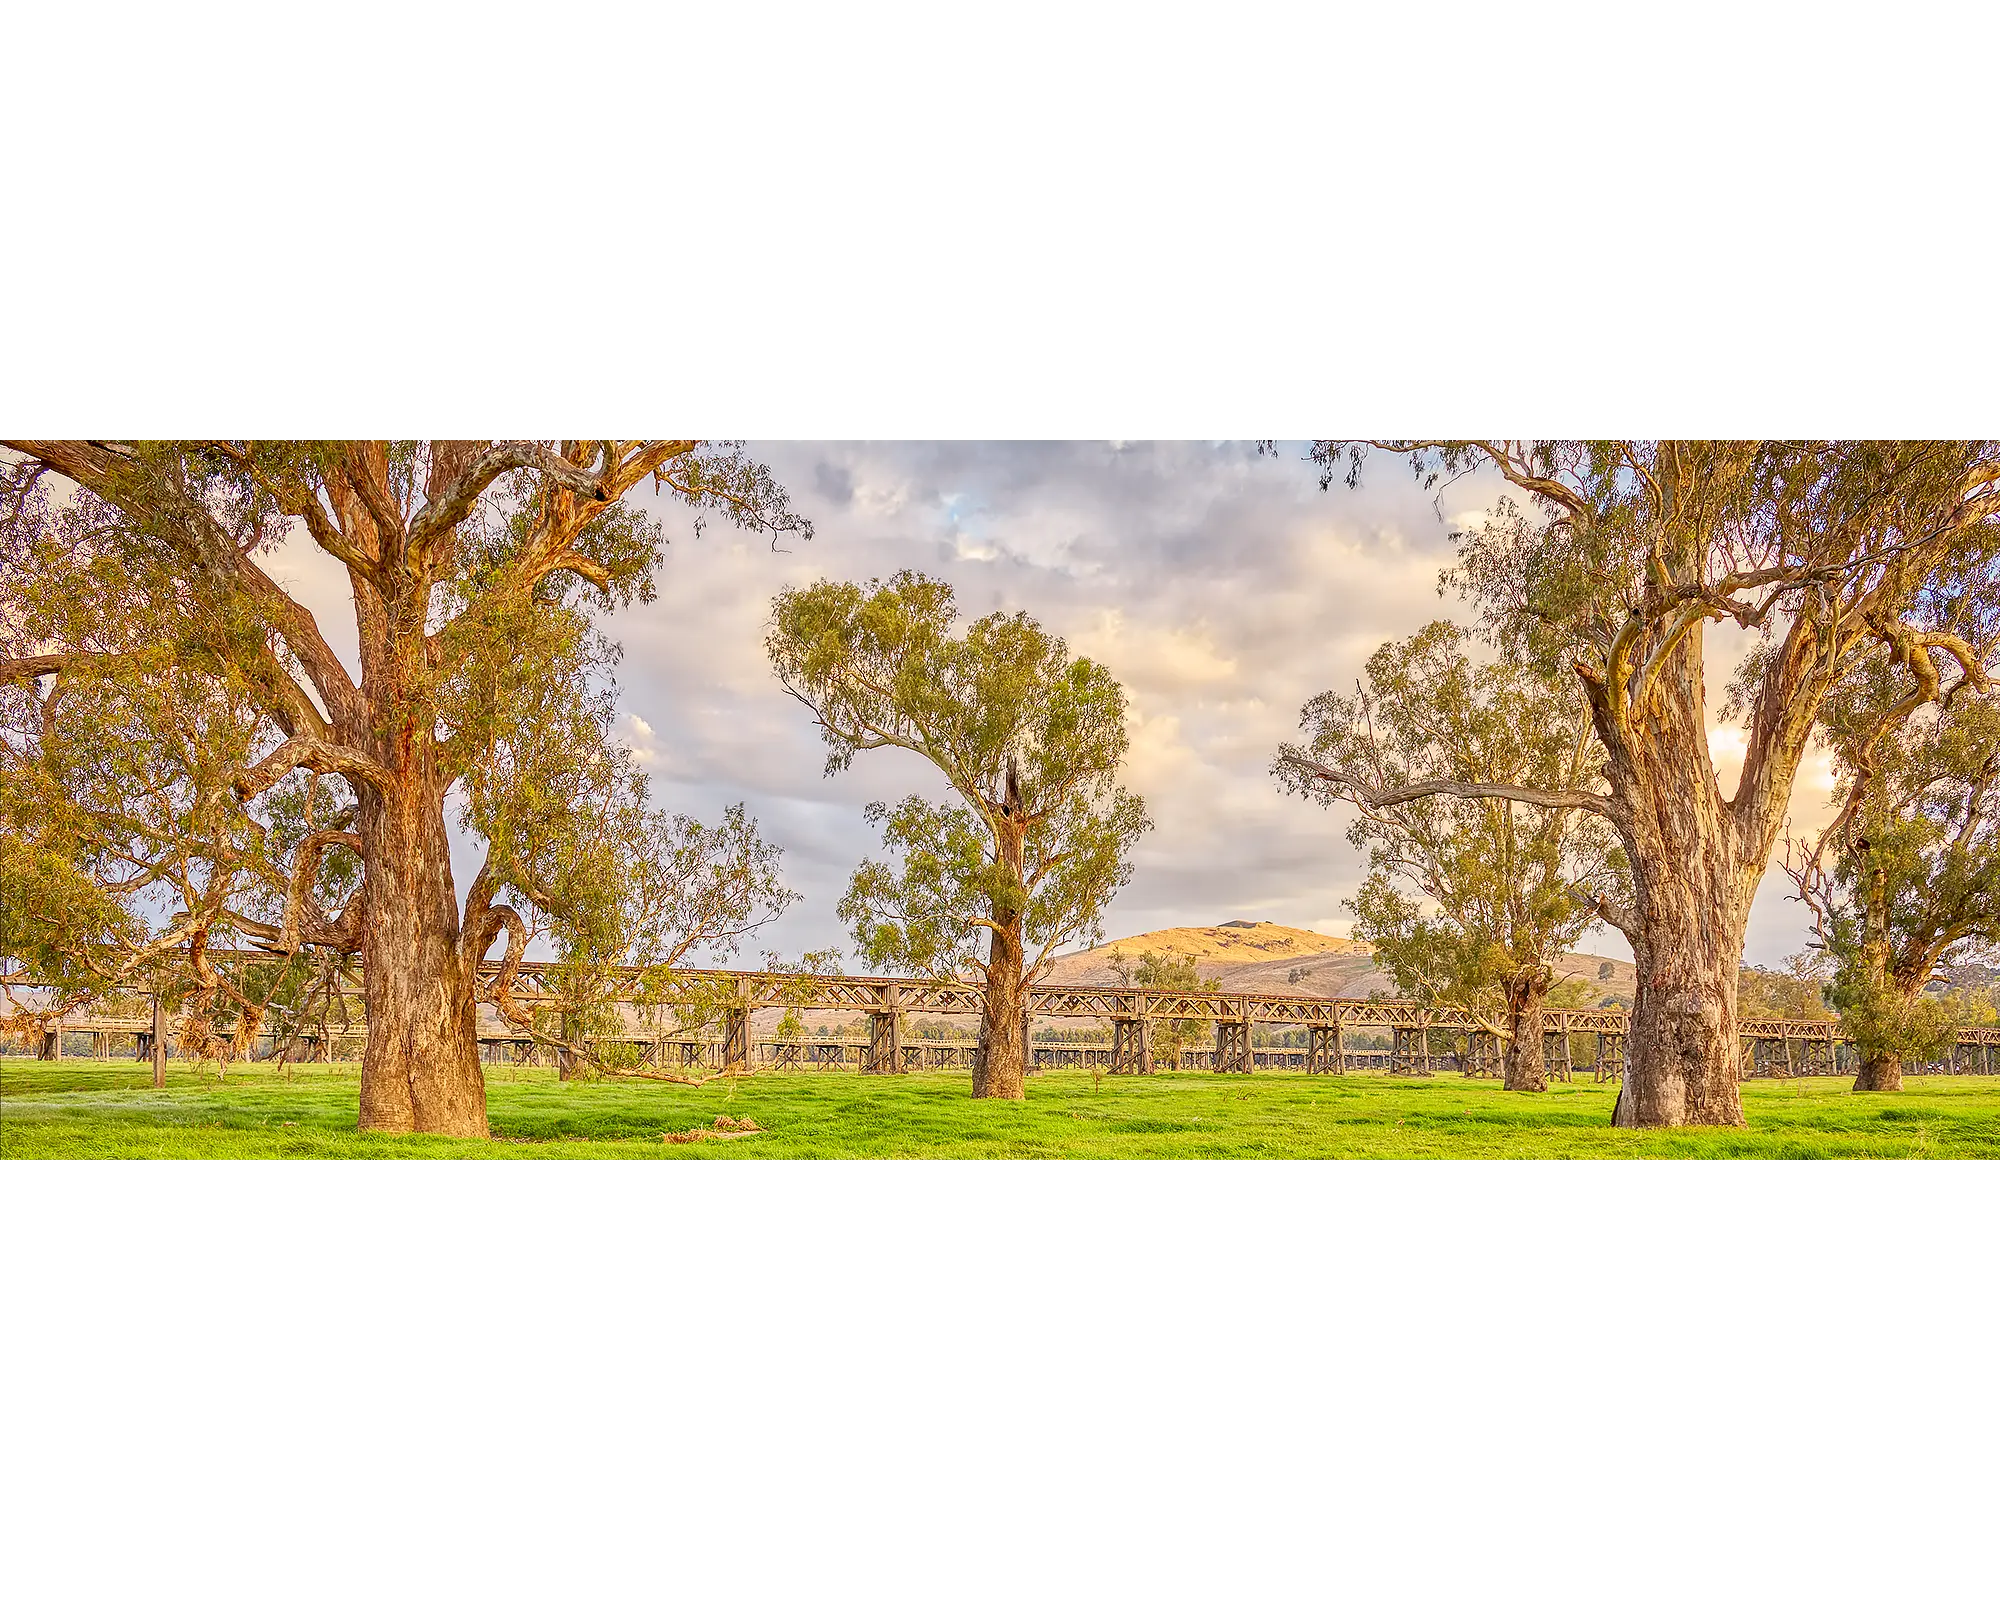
[1960, 976]
[1269, 958]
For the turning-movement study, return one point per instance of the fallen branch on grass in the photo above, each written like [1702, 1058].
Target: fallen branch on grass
[725, 1128]
[662, 1077]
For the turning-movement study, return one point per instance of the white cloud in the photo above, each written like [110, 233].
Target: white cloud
[639, 736]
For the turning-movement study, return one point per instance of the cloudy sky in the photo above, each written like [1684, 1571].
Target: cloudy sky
[1223, 589]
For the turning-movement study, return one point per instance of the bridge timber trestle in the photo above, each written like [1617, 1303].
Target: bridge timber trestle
[1419, 1037]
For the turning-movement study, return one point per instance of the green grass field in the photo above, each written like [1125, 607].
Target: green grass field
[83, 1110]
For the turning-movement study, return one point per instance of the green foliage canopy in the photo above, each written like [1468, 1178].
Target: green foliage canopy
[1029, 738]
[1462, 893]
[1795, 989]
[194, 756]
[1605, 558]
[1906, 877]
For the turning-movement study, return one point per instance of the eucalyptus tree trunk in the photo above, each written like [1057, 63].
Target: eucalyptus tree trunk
[1001, 1068]
[1880, 1070]
[420, 1069]
[1525, 1068]
[569, 1052]
[1683, 1051]
[1696, 862]
[1881, 1067]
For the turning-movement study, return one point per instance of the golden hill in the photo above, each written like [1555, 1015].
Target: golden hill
[1269, 958]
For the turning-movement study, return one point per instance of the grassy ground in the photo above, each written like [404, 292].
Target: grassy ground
[78, 1109]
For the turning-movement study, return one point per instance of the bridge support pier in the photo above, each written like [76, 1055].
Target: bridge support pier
[885, 1035]
[1323, 1048]
[1556, 1054]
[1132, 1044]
[736, 1039]
[1410, 1052]
[1482, 1055]
[1232, 1045]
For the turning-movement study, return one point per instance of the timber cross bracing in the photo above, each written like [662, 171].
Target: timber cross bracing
[1781, 1046]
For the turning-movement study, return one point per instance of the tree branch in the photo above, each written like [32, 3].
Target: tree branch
[23, 669]
[298, 501]
[500, 992]
[1307, 772]
[312, 755]
[449, 507]
[192, 532]
[305, 867]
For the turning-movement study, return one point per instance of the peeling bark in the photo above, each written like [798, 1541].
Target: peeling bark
[1881, 1068]
[1001, 1067]
[420, 1068]
[1525, 1069]
[1880, 1071]
[1696, 864]
[247, 1027]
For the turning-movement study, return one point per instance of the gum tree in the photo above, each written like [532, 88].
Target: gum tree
[126, 860]
[1029, 739]
[1609, 557]
[1502, 886]
[473, 570]
[1795, 989]
[1906, 876]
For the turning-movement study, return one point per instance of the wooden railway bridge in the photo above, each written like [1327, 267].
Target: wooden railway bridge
[1419, 1038]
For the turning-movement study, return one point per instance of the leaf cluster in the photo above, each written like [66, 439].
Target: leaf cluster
[1030, 739]
[1907, 877]
[1462, 894]
[1795, 990]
